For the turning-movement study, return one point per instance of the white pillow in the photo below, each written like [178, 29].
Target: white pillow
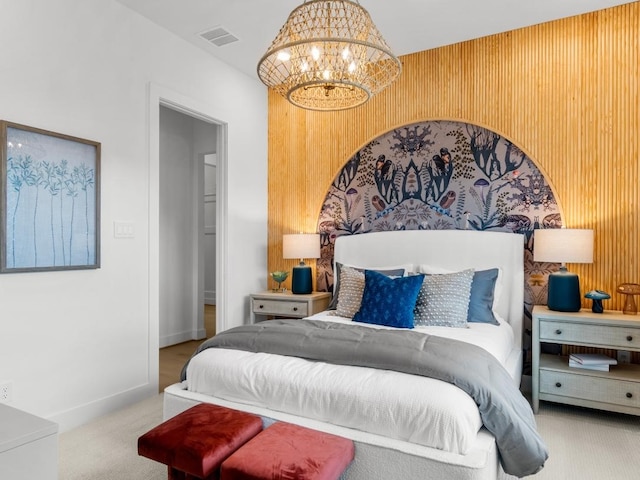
[497, 291]
[443, 299]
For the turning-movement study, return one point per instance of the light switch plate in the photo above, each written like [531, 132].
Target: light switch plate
[124, 230]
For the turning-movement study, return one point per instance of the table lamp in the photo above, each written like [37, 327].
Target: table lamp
[302, 245]
[563, 245]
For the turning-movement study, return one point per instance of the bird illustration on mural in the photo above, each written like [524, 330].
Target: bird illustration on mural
[442, 161]
[384, 168]
[378, 203]
[445, 155]
[439, 162]
[447, 200]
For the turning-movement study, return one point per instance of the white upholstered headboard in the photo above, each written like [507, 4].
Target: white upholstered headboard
[447, 249]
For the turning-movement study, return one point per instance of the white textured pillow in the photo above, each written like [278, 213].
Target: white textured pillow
[350, 293]
[497, 291]
[444, 299]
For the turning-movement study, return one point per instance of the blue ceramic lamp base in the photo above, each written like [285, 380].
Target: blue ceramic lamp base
[563, 291]
[301, 280]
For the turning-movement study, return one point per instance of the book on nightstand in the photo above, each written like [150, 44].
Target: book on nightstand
[591, 361]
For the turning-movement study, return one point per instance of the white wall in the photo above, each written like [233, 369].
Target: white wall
[77, 344]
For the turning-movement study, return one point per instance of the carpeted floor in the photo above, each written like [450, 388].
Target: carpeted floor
[107, 448]
[587, 444]
[583, 444]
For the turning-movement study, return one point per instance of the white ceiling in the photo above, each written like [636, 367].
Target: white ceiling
[408, 26]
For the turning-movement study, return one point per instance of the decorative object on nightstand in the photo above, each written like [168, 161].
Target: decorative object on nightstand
[591, 361]
[563, 245]
[597, 296]
[629, 289]
[302, 245]
[279, 276]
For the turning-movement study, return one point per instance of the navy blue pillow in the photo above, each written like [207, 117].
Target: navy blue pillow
[388, 301]
[481, 300]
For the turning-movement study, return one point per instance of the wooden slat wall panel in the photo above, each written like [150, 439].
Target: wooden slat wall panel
[566, 92]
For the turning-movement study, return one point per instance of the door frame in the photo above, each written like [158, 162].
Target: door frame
[162, 96]
[205, 200]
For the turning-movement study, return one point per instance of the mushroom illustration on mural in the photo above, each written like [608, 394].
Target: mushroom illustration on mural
[482, 184]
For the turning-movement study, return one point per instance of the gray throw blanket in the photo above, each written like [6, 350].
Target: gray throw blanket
[503, 409]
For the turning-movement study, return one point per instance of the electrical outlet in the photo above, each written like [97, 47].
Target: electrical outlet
[6, 391]
[624, 356]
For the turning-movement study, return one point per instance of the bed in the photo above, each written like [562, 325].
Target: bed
[404, 425]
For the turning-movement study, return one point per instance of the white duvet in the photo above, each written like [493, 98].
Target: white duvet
[396, 405]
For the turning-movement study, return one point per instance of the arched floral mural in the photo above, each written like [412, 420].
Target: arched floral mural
[440, 175]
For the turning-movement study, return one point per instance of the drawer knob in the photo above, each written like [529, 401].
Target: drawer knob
[260, 306]
[295, 309]
[629, 338]
[558, 384]
[629, 394]
[558, 332]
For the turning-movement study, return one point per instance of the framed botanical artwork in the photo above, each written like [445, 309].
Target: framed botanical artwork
[50, 202]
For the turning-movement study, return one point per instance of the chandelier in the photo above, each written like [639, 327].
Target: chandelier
[328, 56]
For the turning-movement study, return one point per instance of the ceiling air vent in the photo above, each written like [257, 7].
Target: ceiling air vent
[218, 36]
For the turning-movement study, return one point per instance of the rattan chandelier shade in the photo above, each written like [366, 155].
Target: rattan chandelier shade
[328, 56]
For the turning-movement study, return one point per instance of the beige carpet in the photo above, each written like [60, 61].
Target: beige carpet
[587, 444]
[584, 445]
[107, 448]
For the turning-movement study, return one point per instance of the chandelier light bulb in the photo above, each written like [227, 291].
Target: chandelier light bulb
[284, 56]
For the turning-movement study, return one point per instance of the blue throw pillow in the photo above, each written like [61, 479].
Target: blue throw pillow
[388, 301]
[481, 300]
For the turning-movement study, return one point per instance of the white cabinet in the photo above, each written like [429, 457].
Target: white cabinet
[617, 390]
[28, 446]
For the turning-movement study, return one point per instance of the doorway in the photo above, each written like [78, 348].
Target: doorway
[187, 224]
[162, 97]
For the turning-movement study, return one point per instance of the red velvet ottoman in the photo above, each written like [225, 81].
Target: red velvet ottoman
[194, 443]
[284, 451]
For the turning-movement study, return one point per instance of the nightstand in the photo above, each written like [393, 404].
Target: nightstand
[287, 304]
[617, 390]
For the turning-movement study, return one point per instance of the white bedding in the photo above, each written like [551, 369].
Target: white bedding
[375, 401]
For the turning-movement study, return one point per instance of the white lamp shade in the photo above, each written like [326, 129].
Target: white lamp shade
[563, 245]
[303, 245]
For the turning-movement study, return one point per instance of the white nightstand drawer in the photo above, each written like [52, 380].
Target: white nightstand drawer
[568, 332]
[286, 304]
[594, 388]
[279, 307]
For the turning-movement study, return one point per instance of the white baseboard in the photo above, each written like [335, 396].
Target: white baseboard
[82, 414]
[210, 297]
[174, 339]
